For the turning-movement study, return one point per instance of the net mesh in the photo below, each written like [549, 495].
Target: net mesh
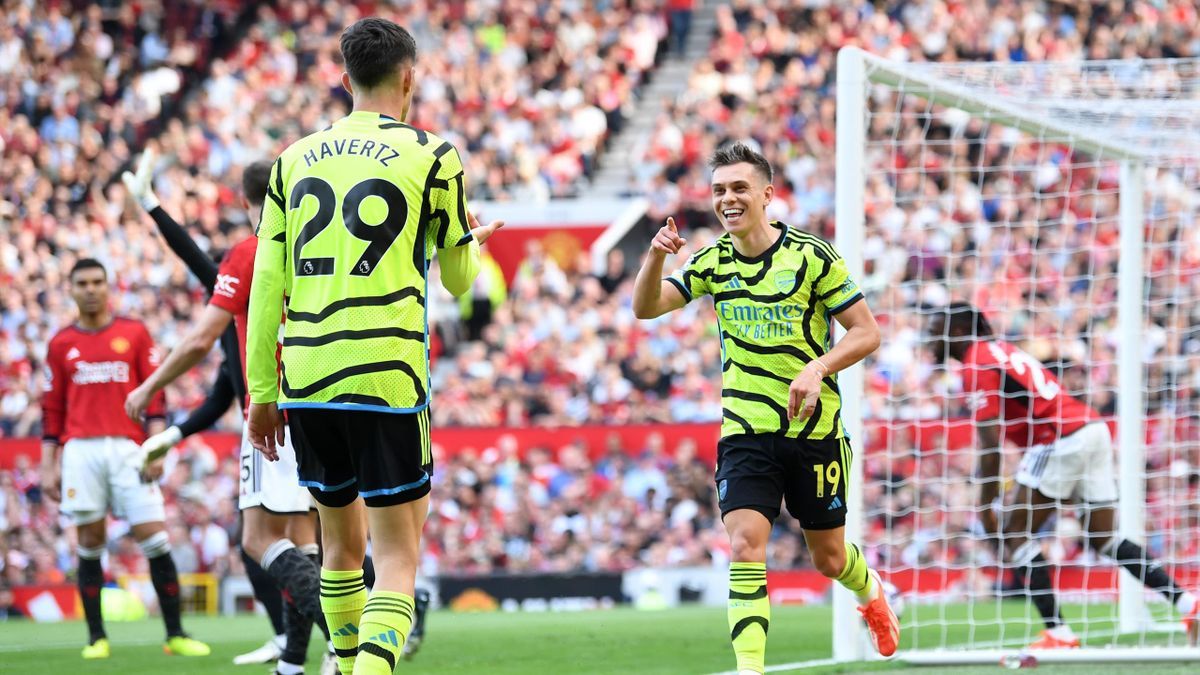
[961, 205]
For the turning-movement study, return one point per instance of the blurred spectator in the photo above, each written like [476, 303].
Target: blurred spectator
[530, 93]
[8, 607]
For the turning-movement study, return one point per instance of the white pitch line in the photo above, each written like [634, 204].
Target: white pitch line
[993, 644]
[785, 667]
[8, 649]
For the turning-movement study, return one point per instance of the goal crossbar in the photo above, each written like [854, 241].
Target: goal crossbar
[999, 111]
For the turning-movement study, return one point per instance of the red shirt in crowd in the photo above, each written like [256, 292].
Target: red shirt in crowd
[1005, 382]
[88, 375]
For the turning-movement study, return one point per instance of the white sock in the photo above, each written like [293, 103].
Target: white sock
[873, 590]
[280, 640]
[1062, 632]
[285, 668]
[274, 551]
[1186, 603]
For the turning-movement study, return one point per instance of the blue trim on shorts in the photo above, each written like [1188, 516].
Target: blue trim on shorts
[327, 488]
[354, 406]
[392, 491]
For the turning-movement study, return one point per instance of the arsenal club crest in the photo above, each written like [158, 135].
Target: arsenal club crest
[785, 281]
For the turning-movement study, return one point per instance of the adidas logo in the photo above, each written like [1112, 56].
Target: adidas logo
[388, 638]
[349, 630]
[835, 504]
[73, 354]
[734, 284]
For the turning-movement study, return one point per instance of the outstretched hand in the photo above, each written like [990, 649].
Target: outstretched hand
[667, 239]
[139, 184]
[483, 232]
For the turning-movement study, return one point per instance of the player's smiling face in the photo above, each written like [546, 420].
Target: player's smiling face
[740, 196]
[89, 289]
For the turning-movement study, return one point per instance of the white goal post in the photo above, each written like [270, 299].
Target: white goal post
[917, 160]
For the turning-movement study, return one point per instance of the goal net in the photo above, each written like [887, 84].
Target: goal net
[1060, 199]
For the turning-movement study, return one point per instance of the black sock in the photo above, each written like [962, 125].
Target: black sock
[166, 585]
[298, 629]
[300, 579]
[368, 572]
[265, 591]
[420, 607]
[1134, 559]
[91, 580]
[316, 559]
[1035, 578]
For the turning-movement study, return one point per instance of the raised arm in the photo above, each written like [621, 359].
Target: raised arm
[653, 295]
[177, 238]
[198, 262]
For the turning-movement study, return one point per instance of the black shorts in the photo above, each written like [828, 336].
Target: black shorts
[758, 471]
[385, 458]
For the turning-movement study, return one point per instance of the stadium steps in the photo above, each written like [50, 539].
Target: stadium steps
[612, 179]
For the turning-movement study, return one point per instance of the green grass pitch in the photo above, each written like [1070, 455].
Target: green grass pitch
[686, 641]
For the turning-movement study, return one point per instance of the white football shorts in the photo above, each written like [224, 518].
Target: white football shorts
[103, 474]
[275, 486]
[1075, 467]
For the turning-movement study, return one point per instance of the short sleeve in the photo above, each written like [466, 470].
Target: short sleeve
[982, 386]
[832, 285]
[232, 290]
[446, 197]
[692, 278]
[273, 223]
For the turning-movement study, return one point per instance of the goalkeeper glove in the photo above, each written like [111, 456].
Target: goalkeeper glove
[139, 184]
[157, 445]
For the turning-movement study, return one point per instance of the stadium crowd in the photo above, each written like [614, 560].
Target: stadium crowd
[1026, 231]
[530, 102]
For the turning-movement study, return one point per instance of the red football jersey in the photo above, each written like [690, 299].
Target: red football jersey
[87, 377]
[1005, 382]
[232, 290]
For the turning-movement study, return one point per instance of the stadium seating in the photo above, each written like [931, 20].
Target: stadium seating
[562, 349]
[768, 79]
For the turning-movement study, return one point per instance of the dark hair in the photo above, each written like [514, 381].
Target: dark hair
[738, 153]
[962, 317]
[374, 48]
[87, 264]
[254, 182]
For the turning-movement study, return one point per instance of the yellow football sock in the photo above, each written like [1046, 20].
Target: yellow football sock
[385, 625]
[856, 575]
[343, 596]
[749, 614]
